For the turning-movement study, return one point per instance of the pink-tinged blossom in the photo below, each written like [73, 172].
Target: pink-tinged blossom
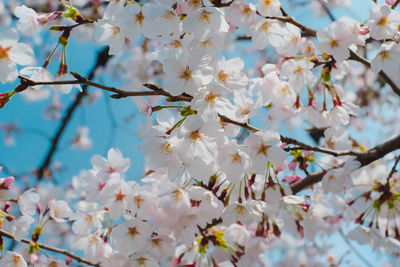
[160, 247]
[187, 74]
[50, 262]
[364, 235]
[211, 100]
[237, 234]
[205, 20]
[292, 178]
[261, 148]
[6, 183]
[143, 260]
[307, 48]
[115, 195]
[291, 40]
[82, 140]
[268, 7]
[131, 236]
[94, 247]
[387, 59]
[241, 13]
[131, 21]
[228, 73]
[234, 161]
[264, 32]
[66, 88]
[338, 37]
[383, 22]
[199, 138]
[13, 259]
[115, 163]
[337, 180]
[28, 23]
[38, 92]
[160, 22]
[209, 45]
[60, 211]
[85, 222]
[244, 213]
[299, 74]
[11, 54]
[108, 30]
[247, 104]
[337, 138]
[21, 226]
[28, 202]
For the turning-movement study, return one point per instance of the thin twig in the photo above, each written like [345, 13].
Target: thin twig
[353, 56]
[393, 170]
[364, 158]
[102, 58]
[50, 248]
[292, 141]
[118, 93]
[358, 254]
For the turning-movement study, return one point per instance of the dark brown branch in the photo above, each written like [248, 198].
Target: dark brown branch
[303, 146]
[50, 248]
[306, 30]
[102, 58]
[353, 56]
[365, 62]
[288, 140]
[364, 158]
[393, 170]
[118, 93]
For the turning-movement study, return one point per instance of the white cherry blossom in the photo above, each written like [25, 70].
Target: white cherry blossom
[12, 53]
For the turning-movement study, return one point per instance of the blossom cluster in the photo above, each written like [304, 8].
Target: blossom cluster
[216, 191]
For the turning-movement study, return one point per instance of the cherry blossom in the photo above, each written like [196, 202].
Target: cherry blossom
[12, 53]
[217, 88]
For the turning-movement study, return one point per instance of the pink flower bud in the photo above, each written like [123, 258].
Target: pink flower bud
[6, 183]
[34, 259]
[42, 19]
[68, 260]
[7, 207]
[4, 98]
[308, 153]
[179, 9]
[290, 179]
[281, 167]
[390, 2]
[55, 15]
[39, 207]
[232, 28]
[364, 30]
[292, 165]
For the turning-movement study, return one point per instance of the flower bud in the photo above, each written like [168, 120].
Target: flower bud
[6, 183]
[5, 97]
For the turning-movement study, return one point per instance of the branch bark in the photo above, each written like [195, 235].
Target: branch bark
[353, 56]
[364, 158]
[118, 93]
[50, 248]
[102, 58]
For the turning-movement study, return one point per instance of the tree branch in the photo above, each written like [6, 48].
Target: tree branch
[50, 248]
[364, 158]
[353, 56]
[292, 141]
[102, 58]
[118, 93]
